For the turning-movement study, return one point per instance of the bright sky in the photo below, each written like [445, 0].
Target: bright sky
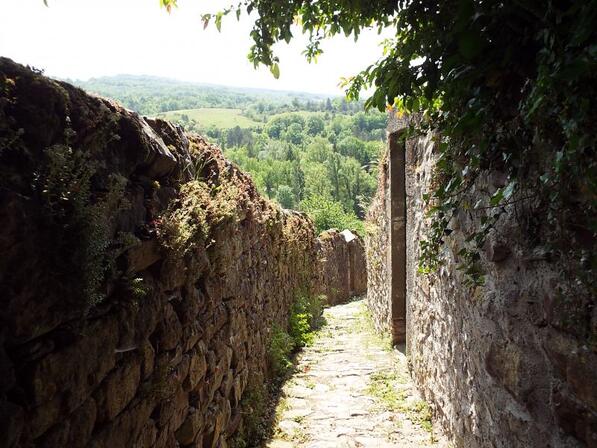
[80, 39]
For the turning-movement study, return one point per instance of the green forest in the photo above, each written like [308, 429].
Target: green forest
[305, 151]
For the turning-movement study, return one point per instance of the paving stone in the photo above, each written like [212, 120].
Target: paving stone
[328, 403]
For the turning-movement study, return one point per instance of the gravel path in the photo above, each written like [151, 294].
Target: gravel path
[352, 390]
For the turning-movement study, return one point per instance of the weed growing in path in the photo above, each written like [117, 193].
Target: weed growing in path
[384, 387]
[364, 324]
[388, 388]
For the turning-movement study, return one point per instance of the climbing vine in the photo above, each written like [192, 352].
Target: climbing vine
[508, 86]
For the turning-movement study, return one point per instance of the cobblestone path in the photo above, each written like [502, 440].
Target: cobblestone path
[352, 390]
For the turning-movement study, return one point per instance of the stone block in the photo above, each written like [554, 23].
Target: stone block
[44, 416]
[172, 411]
[581, 373]
[496, 250]
[185, 435]
[148, 360]
[574, 418]
[197, 369]
[74, 431]
[503, 364]
[12, 423]
[125, 429]
[169, 330]
[120, 387]
[143, 256]
[92, 354]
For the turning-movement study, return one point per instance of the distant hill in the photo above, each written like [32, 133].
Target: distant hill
[150, 95]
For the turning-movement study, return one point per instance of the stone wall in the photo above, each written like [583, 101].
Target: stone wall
[141, 274]
[376, 250]
[358, 263]
[507, 364]
[343, 271]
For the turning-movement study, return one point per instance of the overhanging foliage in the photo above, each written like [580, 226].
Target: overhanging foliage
[509, 86]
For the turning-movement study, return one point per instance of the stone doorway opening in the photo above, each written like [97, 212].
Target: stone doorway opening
[397, 238]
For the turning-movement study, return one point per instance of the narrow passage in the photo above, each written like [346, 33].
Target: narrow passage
[352, 390]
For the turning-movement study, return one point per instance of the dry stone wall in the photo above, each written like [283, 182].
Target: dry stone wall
[343, 270]
[508, 364]
[141, 274]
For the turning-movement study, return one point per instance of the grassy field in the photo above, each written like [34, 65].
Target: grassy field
[304, 113]
[206, 117]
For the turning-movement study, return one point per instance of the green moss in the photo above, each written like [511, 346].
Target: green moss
[304, 319]
[138, 288]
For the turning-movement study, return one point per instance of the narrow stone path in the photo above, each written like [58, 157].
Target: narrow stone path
[352, 390]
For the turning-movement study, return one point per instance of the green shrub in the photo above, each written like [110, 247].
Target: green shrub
[305, 317]
[299, 328]
[281, 345]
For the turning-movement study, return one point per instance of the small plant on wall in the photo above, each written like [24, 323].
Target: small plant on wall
[78, 219]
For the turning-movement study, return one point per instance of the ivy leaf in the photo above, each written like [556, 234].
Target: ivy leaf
[469, 44]
[275, 69]
[497, 197]
[536, 104]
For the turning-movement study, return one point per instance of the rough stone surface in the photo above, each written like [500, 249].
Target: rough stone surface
[329, 403]
[377, 253]
[343, 273]
[141, 273]
[508, 364]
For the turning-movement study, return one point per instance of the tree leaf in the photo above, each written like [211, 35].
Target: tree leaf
[218, 21]
[275, 69]
[206, 18]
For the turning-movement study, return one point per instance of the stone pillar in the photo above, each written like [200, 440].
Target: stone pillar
[397, 246]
